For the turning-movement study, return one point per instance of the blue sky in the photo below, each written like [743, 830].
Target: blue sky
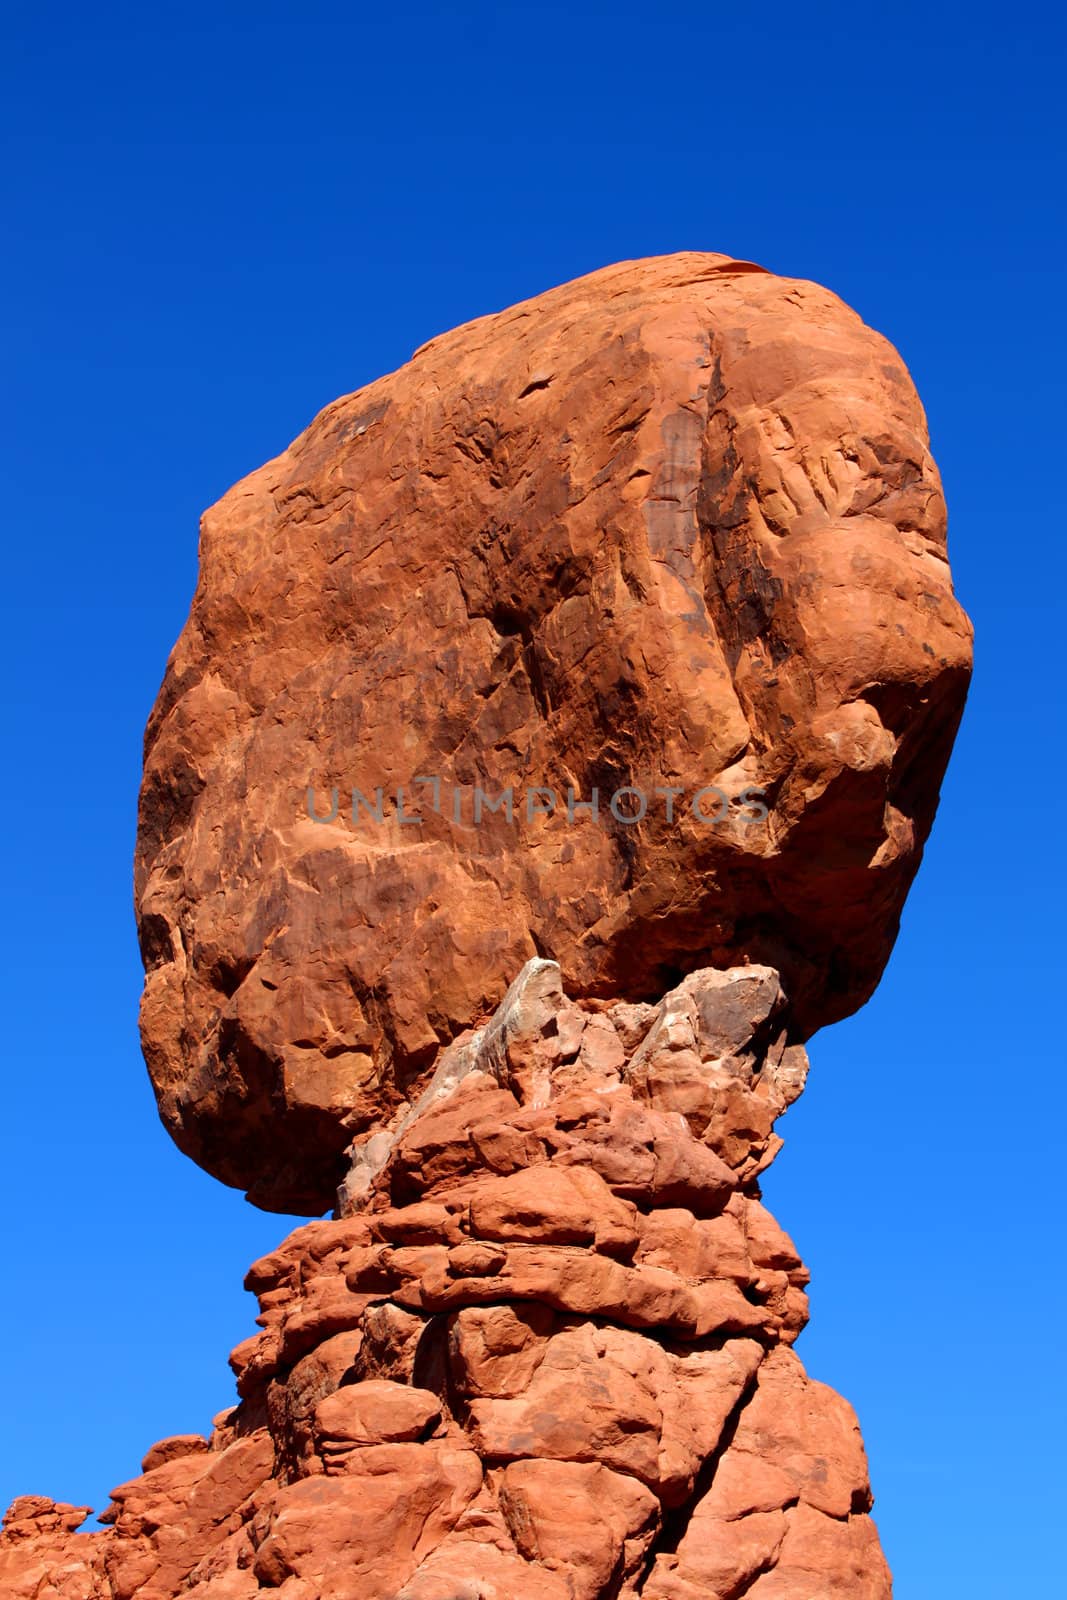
[218, 219]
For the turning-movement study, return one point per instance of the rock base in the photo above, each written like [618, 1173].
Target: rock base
[543, 1350]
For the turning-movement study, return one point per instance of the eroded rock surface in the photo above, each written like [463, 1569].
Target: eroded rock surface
[675, 529]
[544, 1348]
[671, 526]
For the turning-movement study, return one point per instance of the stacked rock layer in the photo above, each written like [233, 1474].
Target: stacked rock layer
[542, 1352]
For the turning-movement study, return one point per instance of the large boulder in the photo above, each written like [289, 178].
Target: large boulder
[672, 528]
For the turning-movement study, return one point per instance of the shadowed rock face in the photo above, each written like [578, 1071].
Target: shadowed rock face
[673, 525]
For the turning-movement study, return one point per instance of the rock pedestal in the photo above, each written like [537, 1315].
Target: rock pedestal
[543, 1350]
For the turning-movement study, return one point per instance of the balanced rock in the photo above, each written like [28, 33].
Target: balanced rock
[549, 751]
[667, 542]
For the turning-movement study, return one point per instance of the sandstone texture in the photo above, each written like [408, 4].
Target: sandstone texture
[667, 542]
[542, 1350]
[674, 525]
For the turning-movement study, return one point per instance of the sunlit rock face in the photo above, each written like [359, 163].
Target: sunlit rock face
[674, 529]
[548, 752]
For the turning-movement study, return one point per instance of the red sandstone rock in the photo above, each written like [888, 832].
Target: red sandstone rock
[582, 1520]
[182, 1444]
[516, 1364]
[673, 525]
[676, 524]
[377, 1411]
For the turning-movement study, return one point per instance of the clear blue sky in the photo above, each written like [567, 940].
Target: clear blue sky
[220, 217]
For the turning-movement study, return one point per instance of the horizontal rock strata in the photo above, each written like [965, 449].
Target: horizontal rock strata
[543, 1349]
